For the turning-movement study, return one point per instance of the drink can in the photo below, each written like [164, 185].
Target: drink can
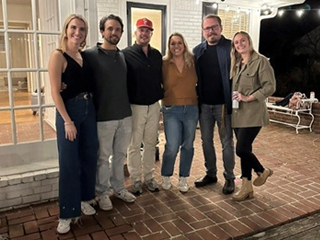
[312, 96]
[235, 103]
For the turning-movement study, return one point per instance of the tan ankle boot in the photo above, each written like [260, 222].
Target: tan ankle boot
[260, 180]
[245, 192]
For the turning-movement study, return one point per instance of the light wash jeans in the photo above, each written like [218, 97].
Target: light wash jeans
[209, 116]
[180, 123]
[145, 126]
[114, 137]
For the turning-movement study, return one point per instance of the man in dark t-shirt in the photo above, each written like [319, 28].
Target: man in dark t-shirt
[113, 112]
[213, 67]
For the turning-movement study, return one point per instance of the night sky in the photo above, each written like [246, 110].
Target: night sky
[278, 39]
[289, 27]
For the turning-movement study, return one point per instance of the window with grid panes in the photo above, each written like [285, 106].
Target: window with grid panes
[233, 21]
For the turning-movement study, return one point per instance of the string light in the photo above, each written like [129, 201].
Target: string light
[299, 13]
[265, 10]
[280, 13]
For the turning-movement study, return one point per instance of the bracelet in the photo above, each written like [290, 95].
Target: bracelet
[68, 123]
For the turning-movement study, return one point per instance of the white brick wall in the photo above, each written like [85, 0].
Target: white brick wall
[22, 189]
[106, 7]
[185, 17]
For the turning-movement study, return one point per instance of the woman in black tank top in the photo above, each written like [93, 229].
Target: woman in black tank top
[75, 123]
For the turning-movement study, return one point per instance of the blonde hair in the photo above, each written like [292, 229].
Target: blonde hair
[187, 54]
[63, 37]
[235, 56]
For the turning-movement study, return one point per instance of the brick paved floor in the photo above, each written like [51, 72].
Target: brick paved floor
[293, 192]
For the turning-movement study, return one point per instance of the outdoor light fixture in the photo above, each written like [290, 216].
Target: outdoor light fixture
[266, 9]
[215, 5]
[280, 13]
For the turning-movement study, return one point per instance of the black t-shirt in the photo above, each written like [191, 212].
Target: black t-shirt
[212, 88]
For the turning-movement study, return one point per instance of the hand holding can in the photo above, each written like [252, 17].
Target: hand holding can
[312, 96]
[235, 103]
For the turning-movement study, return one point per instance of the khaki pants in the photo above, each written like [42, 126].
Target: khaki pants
[145, 125]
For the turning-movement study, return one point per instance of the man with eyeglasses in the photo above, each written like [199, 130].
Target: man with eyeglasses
[145, 90]
[214, 92]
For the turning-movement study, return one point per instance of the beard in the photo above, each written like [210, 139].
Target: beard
[213, 39]
[113, 40]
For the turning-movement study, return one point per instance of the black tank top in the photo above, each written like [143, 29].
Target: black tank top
[77, 78]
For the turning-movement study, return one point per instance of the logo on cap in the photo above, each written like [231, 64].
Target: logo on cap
[144, 22]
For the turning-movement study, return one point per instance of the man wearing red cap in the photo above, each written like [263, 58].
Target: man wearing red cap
[144, 78]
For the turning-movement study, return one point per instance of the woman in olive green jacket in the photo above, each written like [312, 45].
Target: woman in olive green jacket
[252, 82]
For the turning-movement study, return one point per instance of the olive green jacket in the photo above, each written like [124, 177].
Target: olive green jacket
[255, 78]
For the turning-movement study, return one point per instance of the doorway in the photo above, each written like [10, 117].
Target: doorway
[157, 14]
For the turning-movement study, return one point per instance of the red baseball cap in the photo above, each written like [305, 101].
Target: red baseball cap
[144, 22]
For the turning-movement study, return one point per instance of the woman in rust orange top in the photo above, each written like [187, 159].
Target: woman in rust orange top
[180, 110]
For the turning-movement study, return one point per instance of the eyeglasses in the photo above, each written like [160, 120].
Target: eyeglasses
[213, 28]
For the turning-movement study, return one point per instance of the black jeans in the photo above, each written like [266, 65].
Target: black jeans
[245, 138]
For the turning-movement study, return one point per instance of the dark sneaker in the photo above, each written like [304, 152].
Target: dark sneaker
[137, 187]
[152, 185]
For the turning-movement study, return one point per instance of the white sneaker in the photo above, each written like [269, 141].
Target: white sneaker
[64, 226]
[183, 184]
[125, 195]
[105, 202]
[166, 183]
[87, 209]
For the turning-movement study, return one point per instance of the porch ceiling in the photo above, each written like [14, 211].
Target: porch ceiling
[258, 3]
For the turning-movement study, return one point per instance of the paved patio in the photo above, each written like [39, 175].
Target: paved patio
[293, 192]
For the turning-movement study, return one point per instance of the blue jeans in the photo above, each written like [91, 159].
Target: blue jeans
[114, 137]
[78, 158]
[180, 123]
[209, 116]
